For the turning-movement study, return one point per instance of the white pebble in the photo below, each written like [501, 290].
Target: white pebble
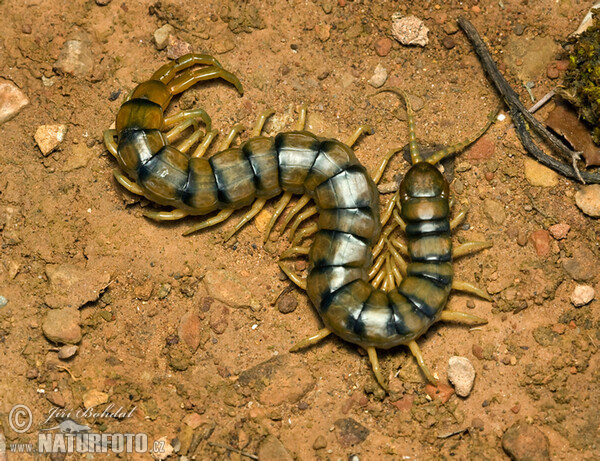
[48, 137]
[582, 295]
[409, 30]
[461, 374]
[12, 100]
[161, 36]
[3, 301]
[379, 77]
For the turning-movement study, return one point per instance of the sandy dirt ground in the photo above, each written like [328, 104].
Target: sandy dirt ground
[189, 336]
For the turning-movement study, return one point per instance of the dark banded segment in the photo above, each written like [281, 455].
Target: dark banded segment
[333, 248]
[201, 195]
[139, 113]
[323, 282]
[344, 307]
[262, 155]
[297, 151]
[164, 175]
[137, 146]
[439, 273]
[334, 157]
[408, 321]
[351, 188]
[425, 209]
[375, 320]
[425, 295]
[431, 248]
[362, 222]
[420, 228]
[234, 177]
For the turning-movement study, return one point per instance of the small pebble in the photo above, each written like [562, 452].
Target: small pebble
[323, 31]
[541, 242]
[66, 352]
[161, 36]
[320, 443]
[559, 231]
[49, 137]
[477, 423]
[287, 303]
[102, 2]
[582, 295]
[526, 442]
[478, 351]
[538, 174]
[177, 47]
[3, 301]
[379, 77]
[382, 46]
[12, 100]
[93, 398]
[62, 326]
[552, 71]
[461, 374]
[518, 29]
[409, 30]
[588, 200]
[26, 29]
[75, 58]
[441, 392]
[448, 43]
[450, 27]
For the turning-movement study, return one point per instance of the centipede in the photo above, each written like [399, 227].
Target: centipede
[369, 286]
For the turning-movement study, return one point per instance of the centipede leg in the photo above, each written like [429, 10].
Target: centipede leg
[301, 203]
[463, 317]
[377, 174]
[376, 266]
[313, 339]
[399, 262]
[294, 277]
[258, 205]
[301, 118]
[188, 79]
[260, 123]
[283, 202]
[399, 220]
[468, 248]
[205, 144]
[376, 368]
[231, 136]
[300, 219]
[458, 219]
[304, 233]
[110, 142]
[127, 183]
[418, 355]
[219, 218]
[294, 251]
[172, 215]
[400, 246]
[188, 115]
[460, 285]
[363, 129]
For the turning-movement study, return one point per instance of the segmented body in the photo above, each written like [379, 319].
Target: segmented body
[346, 200]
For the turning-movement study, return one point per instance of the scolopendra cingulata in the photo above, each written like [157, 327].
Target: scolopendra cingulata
[343, 281]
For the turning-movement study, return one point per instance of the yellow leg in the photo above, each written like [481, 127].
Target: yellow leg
[205, 144]
[299, 281]
[230, 137]
[366, 129]
[258, 205]
[301, 118]
[399, 220]
[387, 230]
[187, 143]
[260, 123]
[378, 173]
[297, 207]
[401, 246]
[376, 369]
[294, 251]
[378, 280]
[127, 183]
[300, 219]
[467, 287]
[463, 317]
[192, 115]
[167, 72]
[458, 219]
[172, 215]
[188, 79]
[391, 283]
[314, 339]
[416, 352]
[110, 143]
[387, 214]
[468, 248]
[398, 260]
[219, 218]
[376, 266]
[283, 202]
[304, 233]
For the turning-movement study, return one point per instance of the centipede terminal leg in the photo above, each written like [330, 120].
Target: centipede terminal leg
[167, 72]
[313, 339]
[418, 355]
[188, 79]
[372, 352]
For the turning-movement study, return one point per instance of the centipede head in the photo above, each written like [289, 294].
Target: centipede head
[423, 180]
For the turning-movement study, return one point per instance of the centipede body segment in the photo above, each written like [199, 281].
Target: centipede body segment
[377, 304]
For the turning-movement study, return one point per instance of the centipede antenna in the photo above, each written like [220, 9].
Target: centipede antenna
[415, 156]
